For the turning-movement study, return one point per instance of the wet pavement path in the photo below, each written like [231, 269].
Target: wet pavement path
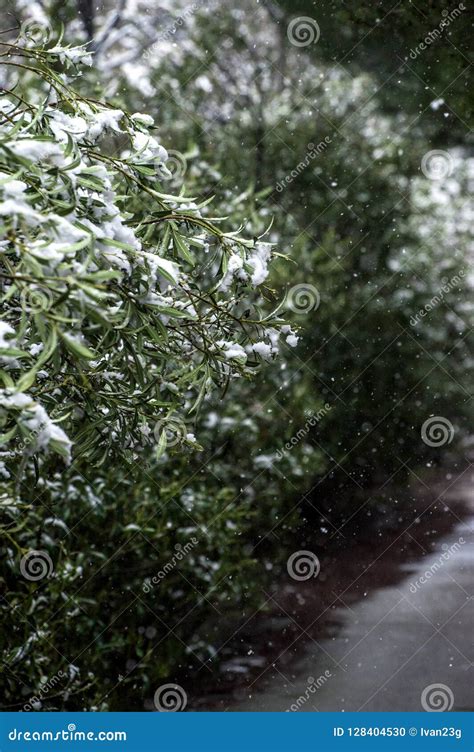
[393, 644]
[383, 622]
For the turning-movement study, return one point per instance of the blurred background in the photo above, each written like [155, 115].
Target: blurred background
[344, 131]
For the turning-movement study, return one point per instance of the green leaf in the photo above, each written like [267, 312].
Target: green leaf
[77, 347]
[161, 446]
[13, 352]
[174, 313]
[118, 244]
[60, 448]
[5, 437]
[182, 247]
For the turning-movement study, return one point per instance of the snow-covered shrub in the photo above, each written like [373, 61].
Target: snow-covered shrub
[124, 307]
[122, 304]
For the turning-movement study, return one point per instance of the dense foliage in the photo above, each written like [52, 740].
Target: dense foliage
[123, 306]
[131, 325]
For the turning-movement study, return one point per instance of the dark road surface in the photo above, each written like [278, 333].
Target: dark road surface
[392, 646]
